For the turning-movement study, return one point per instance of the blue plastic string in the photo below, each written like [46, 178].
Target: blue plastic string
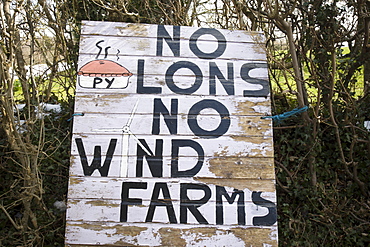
[285, 115]
[75, 114]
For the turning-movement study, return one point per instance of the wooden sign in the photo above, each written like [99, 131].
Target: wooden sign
[171, 149]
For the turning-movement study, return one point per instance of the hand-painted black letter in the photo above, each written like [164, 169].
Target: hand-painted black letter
[271, 217]
[165, 202]
[155, 162]
[193, 205]
[244, 73]
[221, 191]
[176, 144]
[96, 163]
[126, 186]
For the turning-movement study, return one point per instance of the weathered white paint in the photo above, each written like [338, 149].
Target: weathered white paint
[154, 70]
[95, 187]
[108, 211]
[114, 123]
[160, 234]
[122, 79]
[147, 30]
[154, 65]
[239, 167]
[227, 146]
[123, 103]
[147, 46]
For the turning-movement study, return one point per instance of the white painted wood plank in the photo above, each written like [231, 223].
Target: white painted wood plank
[158, 66]
[109, 211]
[96, 187]
[150, 30]
[124, 103]
[146, 124]
[144, 46]
[220, 147]
[175, 76]
[212, 167]
[207, 157]
[120, 234]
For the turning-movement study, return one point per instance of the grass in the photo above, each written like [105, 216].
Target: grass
[61, 87]
[283, 82]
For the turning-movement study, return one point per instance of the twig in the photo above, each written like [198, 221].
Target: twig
[10, 218]
[282, 186]
[284, 168]
[337, 134]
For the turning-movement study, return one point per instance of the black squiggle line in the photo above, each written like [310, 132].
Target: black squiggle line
[118, 51]
[100, 48]
[106, 51]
